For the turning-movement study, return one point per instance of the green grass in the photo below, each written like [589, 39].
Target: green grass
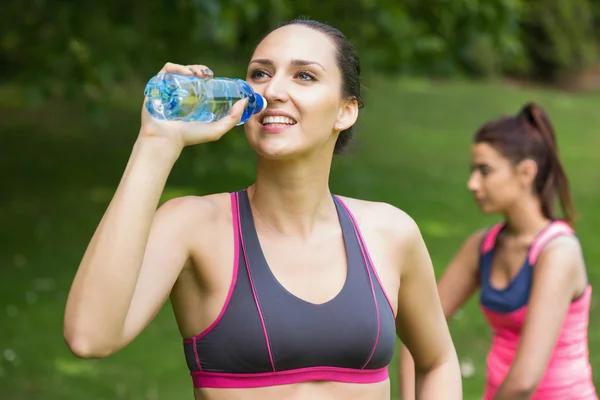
[412, 150]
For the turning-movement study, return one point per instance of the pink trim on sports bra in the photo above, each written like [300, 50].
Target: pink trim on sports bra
[334, 374]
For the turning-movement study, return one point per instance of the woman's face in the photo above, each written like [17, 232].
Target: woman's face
[495, 182]
[295, 69]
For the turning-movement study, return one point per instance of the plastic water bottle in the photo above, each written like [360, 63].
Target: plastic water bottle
[179, 97]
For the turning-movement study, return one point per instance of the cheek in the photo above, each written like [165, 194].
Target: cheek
[318, 109]
[503, 188]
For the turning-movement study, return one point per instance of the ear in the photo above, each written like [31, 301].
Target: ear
[347, 115]
[527, 171]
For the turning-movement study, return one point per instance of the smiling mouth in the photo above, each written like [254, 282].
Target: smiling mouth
[277, 120]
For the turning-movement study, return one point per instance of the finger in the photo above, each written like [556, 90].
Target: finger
[201, 71]
[176, 69]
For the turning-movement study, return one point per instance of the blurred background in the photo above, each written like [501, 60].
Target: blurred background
[71, 83]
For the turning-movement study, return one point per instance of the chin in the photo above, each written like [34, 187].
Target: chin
[279, 148]
[272, 150]
[273, 147]
[487, 209]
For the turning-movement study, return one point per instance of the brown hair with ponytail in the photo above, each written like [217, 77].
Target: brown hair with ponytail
[530, 135]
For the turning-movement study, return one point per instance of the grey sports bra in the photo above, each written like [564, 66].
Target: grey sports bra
[266, 336]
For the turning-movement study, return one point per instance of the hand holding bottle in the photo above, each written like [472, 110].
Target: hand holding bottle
[185, 133]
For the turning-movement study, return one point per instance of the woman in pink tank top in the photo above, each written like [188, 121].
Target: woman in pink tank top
[529, 268]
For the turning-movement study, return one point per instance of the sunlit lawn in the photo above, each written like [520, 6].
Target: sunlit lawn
[58, 173]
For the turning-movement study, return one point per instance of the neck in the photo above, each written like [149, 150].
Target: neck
[291, 197]
[525, 218]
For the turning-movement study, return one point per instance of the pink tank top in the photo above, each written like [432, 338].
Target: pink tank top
[568, 375]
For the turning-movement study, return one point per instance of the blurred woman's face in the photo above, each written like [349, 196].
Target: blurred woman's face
[494, 181]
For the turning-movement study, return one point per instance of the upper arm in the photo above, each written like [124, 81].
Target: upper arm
[420, 321]
[460, 279]
[555, 282]
[166, 253]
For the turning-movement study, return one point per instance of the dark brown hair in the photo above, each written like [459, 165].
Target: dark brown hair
[530, 135]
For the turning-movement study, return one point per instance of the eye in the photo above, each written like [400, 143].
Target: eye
[258, 74]
[305, 76]
[484, 170]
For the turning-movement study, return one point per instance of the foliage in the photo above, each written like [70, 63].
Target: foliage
[76, 49]
[559, 36]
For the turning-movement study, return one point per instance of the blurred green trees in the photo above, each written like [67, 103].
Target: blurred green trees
[67, 48]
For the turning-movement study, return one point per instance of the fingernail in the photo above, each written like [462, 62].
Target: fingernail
[207, 71]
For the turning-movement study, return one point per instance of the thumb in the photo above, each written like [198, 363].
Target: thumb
[235, 115]
[200, 132]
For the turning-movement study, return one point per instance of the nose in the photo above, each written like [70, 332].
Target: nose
[276, 90]
[473, 182]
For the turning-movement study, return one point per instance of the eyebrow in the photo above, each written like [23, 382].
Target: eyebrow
[295, 62]
[478, 165]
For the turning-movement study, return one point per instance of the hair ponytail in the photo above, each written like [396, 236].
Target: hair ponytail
[556, 181]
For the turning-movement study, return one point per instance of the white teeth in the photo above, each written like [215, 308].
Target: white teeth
[277, 119]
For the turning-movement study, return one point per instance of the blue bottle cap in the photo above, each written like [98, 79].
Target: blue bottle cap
[261, 103]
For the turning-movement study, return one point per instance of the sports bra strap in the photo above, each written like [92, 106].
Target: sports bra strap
[489, 238]
[555, 229]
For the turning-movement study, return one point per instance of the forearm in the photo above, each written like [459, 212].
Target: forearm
[513, 395]
[441, 382]
[510, 390]
[103, 287]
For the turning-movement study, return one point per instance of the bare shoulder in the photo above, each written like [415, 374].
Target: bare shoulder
[194, 212]
[566, 244]
[385, 218]
[560, 252]
[474, 240]
[190, 206]
[560, 266]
